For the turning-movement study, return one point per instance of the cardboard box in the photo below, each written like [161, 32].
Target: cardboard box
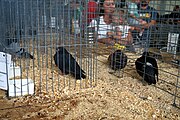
[19, 87]
[14, 72]
[5, 61]
[16, 87]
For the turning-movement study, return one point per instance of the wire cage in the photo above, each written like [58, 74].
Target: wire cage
[164, 45]
[161, 41]
[41, 26]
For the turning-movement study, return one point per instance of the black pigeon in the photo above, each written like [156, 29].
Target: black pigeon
[117, 60]
[67, 64]
[13, 40]
[147, 66]
[32, 32]
[23, 54]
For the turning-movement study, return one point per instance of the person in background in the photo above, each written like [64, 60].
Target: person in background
[92, 10]
[121, 33]
[120, 3]
[149, 15]
[77, 17]
[133, 12]
[175, 14]
[134, 18]
[176, 8]
[102, 24]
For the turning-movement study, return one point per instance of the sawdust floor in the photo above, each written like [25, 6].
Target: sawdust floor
[113, 97]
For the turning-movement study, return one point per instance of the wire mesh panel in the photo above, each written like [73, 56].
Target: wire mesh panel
[34, 32]
[90, 59]
[56, 45]
[167, 42]
[162, 43]
[156, 31]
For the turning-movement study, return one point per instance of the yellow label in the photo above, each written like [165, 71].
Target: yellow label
[148, 15]
[118, 46]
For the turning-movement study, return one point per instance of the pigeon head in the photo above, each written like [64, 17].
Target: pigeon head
[60, 48]
[22, 49]
[145, 54]
[118, 51]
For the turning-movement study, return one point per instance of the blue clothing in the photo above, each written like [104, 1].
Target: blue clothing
[133, 9]
[133, 21]
[148, 14]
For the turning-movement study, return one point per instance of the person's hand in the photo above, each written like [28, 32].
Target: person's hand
[147, 25]
[132, 15]
[107, 41]
[110, 34]
[132, 28]
[142, 22]
[117, 37]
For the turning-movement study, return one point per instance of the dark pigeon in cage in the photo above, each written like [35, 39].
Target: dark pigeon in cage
[19, 32]
[67, 64]
[146, 66]
[23, 54]
[32, 32]
[11, 40]
[117, 60]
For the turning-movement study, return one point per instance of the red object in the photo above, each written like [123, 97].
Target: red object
[92, 8]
